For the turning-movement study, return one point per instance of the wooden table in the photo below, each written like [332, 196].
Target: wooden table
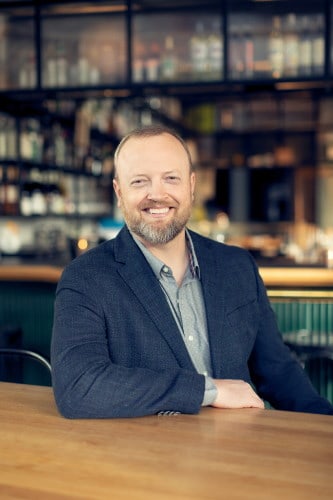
[218, 454]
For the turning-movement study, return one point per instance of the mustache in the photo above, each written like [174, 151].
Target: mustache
[156, 204]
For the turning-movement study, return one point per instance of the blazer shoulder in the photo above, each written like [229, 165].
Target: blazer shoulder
[222, 249]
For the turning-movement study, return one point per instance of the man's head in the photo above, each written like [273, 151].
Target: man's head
[154, 183]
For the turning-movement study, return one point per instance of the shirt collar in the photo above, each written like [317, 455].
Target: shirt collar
[157, 265]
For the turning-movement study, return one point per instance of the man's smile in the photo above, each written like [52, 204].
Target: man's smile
[158, 212]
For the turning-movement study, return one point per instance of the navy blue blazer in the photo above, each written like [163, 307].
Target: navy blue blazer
[117, 351]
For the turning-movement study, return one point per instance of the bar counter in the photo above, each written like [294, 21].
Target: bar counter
[287, 277]
[218, 454]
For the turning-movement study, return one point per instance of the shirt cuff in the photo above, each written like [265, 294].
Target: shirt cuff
[210, 393]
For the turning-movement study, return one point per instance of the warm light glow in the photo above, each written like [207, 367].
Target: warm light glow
[88, 8]
[82, 244]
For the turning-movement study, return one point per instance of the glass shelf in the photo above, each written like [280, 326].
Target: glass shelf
[81, 48]
[276, 40]
[177, 46]
[17, 49]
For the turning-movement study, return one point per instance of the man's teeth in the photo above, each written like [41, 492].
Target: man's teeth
[158, 210]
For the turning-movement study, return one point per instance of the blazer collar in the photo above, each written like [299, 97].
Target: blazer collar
[139, 277]
[212, 280]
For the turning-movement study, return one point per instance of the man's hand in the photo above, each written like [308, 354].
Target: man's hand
[236, 394]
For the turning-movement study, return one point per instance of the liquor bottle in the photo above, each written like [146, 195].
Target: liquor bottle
[215, 52]
[11, 139]
[138, 67]
[153, 63]
[2, 192]
[305, 47]
[61, 65]
[59, 145]
[169, 60]
[94, 72]
[27, 70]
[3, 138]
[236, 66]
[3, 52]
[55, 198]
[25, 199]
[83, 65]
[11, 191]
[275, 49]
[50, 75]
[291, 47]
[248, 51]
[37, 194]
[318, 46]
[32, 70]
[199, 52]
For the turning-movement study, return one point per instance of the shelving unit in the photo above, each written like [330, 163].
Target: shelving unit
[247, 83]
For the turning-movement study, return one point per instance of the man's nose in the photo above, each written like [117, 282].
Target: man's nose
[156, 190]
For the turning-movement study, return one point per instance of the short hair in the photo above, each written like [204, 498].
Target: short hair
[151, 131]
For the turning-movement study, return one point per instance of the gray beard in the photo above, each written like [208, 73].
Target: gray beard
[157, 236]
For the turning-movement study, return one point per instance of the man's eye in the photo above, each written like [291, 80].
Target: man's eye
[137, 182]
[172, 178]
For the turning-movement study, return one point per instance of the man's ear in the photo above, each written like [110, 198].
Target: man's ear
[192, 181]
[117, 191]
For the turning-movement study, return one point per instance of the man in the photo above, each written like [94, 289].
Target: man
[160, 319]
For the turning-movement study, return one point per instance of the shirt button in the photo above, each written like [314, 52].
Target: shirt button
[165, 269]
[190, 337]
[205, 373]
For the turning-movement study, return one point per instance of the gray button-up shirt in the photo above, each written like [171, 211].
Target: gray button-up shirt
[188, 309]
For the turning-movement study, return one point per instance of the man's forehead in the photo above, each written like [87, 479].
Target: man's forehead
[135, 147]
[142, 141]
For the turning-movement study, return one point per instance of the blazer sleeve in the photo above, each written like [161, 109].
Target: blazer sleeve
[87, 383]
[278, 377]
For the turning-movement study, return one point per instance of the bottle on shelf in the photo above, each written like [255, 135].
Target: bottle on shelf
[59, 139]
[199, 52]
[82, 73]
[3, 52]
[27, 74]
[54, 194]
[138, 67]
[215, 52]
[61, 64]
[248, 52]
[236, 54]
[31, 141]
[291, 47]
[305, 47]
[153, 63]
[10, 191]
[108, 63]
[37, 191]
[169, 68]
[318, 45]
[50, 65]
[11, 139]
[276, 49]
[25, 199]
[3, 137]
[94, 71]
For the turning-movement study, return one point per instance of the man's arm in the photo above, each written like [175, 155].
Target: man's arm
[278, 377]
[86, 381]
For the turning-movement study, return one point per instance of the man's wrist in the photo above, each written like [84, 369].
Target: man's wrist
[210, 393]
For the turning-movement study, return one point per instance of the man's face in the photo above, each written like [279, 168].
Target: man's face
[154, 187]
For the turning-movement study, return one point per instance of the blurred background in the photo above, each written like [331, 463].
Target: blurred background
[247, 83]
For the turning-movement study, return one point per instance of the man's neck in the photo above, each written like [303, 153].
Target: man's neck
[174, 254]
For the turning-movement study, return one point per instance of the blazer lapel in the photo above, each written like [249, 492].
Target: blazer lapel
[138, 275]
[215, 300]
